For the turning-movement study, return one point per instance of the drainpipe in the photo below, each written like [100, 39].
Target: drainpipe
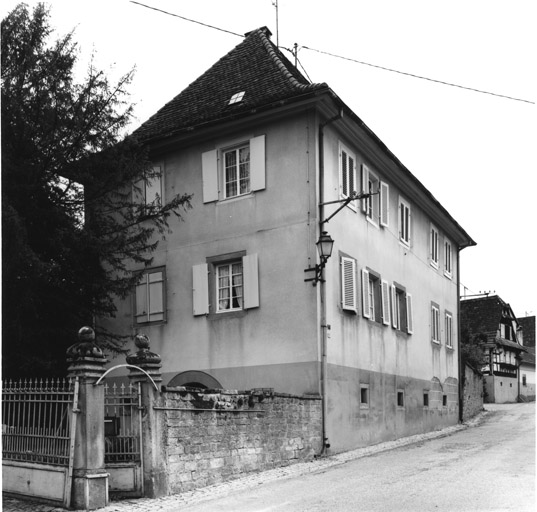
[322, 287]
[462, 370]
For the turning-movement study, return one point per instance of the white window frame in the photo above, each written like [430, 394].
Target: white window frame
[433, 246]
[238, 179]
[149, 288]
[448, 331]
[448, 259]
[234, 289]
[214, 172]
[400, 311]
[384, 204]
[435, 323]
[348, 284]
[371, 205]
[405, 222]
[347, 174]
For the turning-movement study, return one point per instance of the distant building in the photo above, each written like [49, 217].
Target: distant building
[232, 299]
[492, 321]
[527, 366]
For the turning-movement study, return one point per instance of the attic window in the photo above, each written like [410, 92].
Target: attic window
[236, 98]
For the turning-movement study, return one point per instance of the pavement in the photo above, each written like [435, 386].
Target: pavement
[175, 502]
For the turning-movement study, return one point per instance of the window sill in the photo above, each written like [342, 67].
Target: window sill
[371, 221]
[435, 343]
[433, 265]
[448, 275]
[229, 200]
[226, 315]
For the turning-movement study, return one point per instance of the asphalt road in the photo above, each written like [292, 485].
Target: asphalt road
[488, 468]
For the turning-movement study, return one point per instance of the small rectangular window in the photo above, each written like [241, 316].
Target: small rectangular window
[364, 396]
[150, 297]
[444, 400]
[433, 247]
[404, 222]
[425, 399]
[524, 382]
[399, 308]
[400, 398]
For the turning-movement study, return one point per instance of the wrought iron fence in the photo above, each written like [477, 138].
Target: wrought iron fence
[122, 423]
[37, 420]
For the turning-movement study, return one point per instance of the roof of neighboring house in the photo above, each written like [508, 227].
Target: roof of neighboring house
[528, 357]
[528, 329]
[483, 315]
[255, 66]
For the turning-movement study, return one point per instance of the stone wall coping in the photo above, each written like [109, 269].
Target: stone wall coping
[234, 392]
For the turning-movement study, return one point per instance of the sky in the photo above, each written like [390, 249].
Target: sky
[473, 151]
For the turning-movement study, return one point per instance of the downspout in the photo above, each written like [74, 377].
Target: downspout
[462, 370]
[322, 287]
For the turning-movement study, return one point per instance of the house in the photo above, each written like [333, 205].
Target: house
[238, 296]
[492, 320]
[527, 364]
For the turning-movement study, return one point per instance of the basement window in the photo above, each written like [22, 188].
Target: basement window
[400, 398]
[444, 400]
[364, 396]
[236, 98]
[425, 399]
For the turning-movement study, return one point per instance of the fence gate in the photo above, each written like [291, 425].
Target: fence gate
[123, 440]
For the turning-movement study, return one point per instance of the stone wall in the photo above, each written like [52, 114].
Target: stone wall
[213, 436]
[472, 393]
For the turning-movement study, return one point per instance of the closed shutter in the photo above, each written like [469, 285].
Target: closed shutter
[200, 289]
[251, 281]
[348, 284]
[385, 291]
[209, 172]
[395, 315]
[409, 320]
[365, 186]
[343, 183]
[365, 294]
[384, 204]
[257, 163]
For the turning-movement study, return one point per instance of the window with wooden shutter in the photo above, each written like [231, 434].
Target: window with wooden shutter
[251, 281]
[366, 303]
[433, 247]
[385, 301]
[395, 307]
[365, 188]
[209, 172]
[384, 204]
[200, 289]
[404, 222]
[409, 319]
[347, 174]
[348, 283]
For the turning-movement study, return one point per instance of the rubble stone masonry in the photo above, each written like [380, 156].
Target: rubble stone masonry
[473, 393]
[214, 436]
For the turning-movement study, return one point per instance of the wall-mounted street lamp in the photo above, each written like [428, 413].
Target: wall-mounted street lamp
[325, 244]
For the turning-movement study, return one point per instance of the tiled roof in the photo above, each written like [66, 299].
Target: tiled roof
[529, 356]
[528, 329]
[483, 315]
[255, 66]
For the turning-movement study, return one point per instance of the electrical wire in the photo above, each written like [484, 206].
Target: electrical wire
[187, 19]
[416, 76]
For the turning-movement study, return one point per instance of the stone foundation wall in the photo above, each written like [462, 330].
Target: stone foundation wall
[472, 393]
[213, 436]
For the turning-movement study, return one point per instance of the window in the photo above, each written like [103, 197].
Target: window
[347, 173]
[371, 295]
[370, 204]
[225, 284]
[433, 247]
[401, 307]
[524, 382]
[364, 395]
[229, 286]
[233, 171]
[435, 323]
[449, 329]
[400, 398]
[150, 297]
[444, 400]
[404, 222]
[73, 193]
[236, 98]
[447, 259]
[348, 284]
[425, 399]
[148, 191]
[237, 171]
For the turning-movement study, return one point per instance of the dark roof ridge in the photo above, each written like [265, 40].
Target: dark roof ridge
[271, 50]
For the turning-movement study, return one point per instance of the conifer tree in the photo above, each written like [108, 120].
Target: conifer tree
[73, 224]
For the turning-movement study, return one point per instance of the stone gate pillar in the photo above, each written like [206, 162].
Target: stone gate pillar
[90, 479]
[153, 420]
